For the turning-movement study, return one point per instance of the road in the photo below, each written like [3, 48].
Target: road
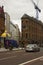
[20, 57]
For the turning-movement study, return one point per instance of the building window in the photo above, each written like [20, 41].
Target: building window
[23, 26]
[26, 35]
[26, 21]
[22, 21]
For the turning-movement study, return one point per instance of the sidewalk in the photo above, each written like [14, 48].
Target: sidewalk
[3, 49]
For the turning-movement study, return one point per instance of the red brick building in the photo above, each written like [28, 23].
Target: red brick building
[32, 30]
[2, 20]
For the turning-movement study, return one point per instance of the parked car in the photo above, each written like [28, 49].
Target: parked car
[32, 47]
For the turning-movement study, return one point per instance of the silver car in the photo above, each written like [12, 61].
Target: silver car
[32, 47]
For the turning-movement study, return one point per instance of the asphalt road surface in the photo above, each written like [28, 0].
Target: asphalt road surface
[20, 57]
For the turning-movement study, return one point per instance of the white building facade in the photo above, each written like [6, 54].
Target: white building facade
[15, 33]
[7, 22]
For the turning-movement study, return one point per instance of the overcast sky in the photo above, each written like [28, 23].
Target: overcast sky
[16, 8]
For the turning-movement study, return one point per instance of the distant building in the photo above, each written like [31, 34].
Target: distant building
[2, 20]
[7, 22]
[32, 30]
[14, 31]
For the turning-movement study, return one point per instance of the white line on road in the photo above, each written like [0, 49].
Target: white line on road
[13, 52]
[25, 54]
[31, 60]
[7, 58]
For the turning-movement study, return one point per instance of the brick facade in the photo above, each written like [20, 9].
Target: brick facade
[2, 20]
[32, 30]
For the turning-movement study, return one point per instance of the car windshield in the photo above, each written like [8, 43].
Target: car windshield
[31, 45]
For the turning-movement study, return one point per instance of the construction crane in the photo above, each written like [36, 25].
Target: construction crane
[37, 9]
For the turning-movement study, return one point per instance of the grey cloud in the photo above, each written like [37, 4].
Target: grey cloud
[16, 8]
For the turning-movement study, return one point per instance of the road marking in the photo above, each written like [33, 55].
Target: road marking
[8, 53]
[13, 52]
[31, 60]
[41, 59]
[25, 54]
[18, 51]
[7, 58]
